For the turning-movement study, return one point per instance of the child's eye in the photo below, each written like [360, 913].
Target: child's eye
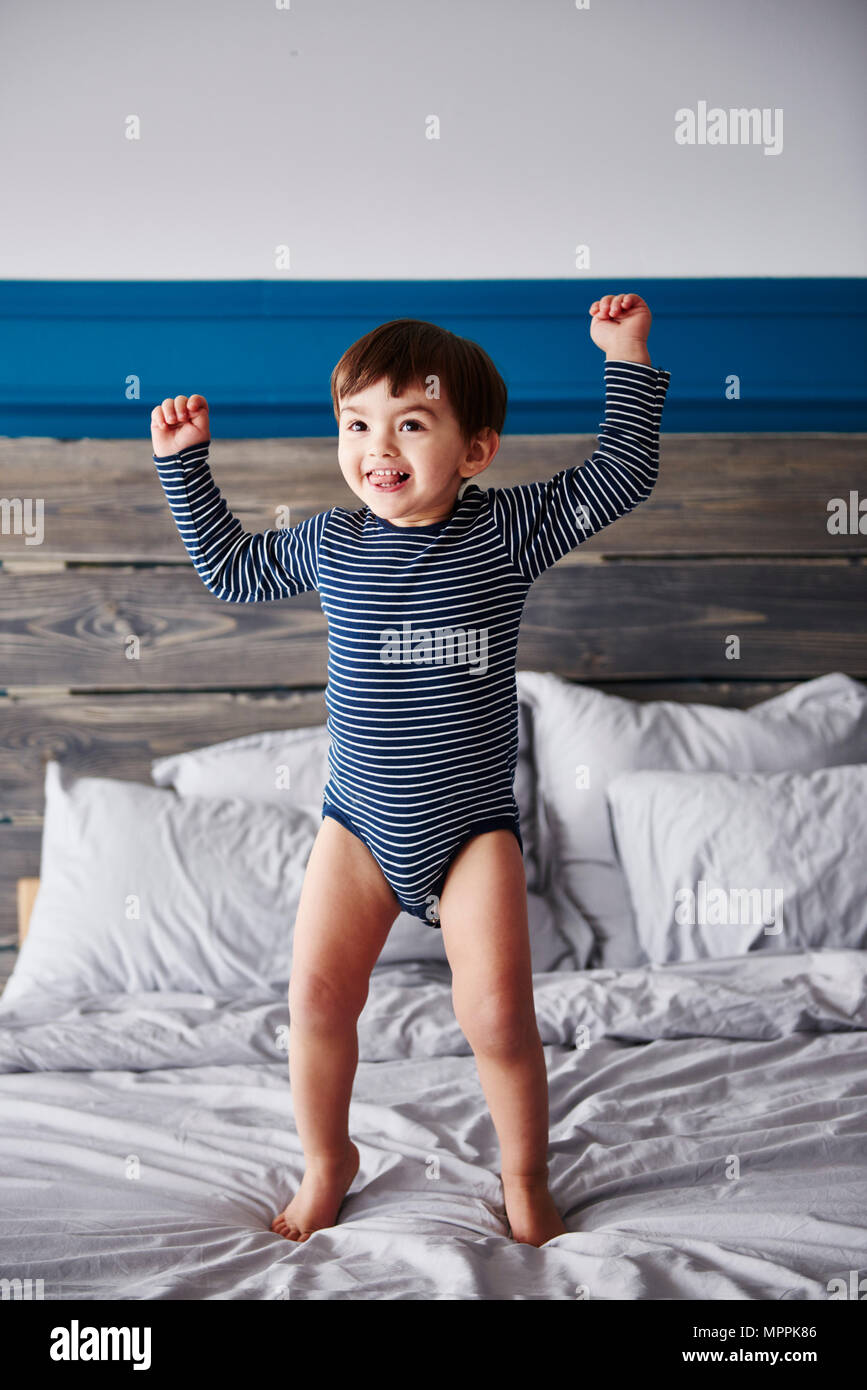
[406, 422]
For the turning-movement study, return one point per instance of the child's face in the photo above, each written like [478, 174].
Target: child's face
[416, 436]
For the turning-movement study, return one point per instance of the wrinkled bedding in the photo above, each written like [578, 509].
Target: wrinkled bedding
[708, 1141]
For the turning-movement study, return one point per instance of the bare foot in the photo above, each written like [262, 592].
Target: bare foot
[530, 1208]
[318, 1199]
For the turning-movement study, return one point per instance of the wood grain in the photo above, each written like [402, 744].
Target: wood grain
[716, 495]
[123, 629]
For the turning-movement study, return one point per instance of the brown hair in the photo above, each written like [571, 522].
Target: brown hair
[406, 352]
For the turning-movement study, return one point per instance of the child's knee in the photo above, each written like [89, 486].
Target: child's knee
[325, 1002]
[496, 1023]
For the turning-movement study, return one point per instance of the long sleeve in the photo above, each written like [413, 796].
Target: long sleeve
[236, 565]
[541, 522]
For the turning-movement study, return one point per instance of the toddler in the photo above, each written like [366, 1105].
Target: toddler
[423, 586]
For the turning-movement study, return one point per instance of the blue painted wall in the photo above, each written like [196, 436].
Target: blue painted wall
[262, 351]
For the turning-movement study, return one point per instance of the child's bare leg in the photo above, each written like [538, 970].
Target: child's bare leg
[344, 914]
[483, 914]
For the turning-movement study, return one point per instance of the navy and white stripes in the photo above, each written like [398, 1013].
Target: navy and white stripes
[423, 628]
[542, 522]
[233, 564]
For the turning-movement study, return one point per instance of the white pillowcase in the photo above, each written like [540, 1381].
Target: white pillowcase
[719, 864]
[143, 890]
[284, 767]
[819, 723]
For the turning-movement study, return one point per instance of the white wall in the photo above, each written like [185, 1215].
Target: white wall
[262, 127]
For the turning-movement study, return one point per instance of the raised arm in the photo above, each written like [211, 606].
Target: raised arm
[235, 565]
[541, 522]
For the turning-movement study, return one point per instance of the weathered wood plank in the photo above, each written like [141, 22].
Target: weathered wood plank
[644, 620]
[75, 630]
[20, 847]
[120, 736]
[717, 494]
[624, 619]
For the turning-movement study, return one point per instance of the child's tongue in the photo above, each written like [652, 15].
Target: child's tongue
[391, 480]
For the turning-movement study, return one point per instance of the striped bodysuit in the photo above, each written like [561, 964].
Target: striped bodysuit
[423, 629]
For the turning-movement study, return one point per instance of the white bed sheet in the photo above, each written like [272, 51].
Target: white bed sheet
[658, 1076]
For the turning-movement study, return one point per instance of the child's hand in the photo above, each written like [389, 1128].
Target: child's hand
[179, 422]
[621, 323]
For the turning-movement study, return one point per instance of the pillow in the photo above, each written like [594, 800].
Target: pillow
[143, 890]
[583, 737]
[287, 767]
[722, 863]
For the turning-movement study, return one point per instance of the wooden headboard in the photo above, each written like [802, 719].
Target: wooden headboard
[113, 652]
[26, 897]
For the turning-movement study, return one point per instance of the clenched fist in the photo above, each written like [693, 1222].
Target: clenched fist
[178, 423]
[621, 323]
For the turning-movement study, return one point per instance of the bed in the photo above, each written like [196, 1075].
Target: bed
[708, 1112]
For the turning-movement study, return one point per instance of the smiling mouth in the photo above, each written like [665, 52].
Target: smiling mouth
[388, 481]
